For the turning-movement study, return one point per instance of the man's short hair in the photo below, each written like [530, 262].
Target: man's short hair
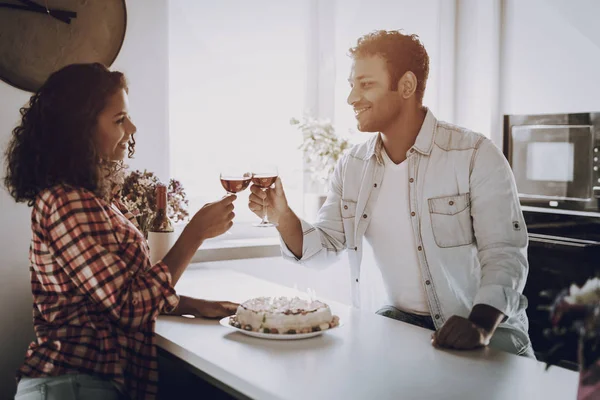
[401, 52]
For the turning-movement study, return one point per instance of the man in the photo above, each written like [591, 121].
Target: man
[437, 203]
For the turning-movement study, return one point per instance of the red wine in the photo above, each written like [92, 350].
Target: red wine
[235, 185]
[263, 181]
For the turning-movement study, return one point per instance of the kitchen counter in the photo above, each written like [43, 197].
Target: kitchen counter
[369, 357]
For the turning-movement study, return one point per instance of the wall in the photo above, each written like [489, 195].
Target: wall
[143, 59]
[551, 56]
[15, 294]
[477, 67]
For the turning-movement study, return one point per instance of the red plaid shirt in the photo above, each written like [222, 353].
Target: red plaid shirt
[96, 296]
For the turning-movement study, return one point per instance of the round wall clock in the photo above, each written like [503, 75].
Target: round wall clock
[38, 37]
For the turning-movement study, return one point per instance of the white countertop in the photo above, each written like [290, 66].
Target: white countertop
[370, 357]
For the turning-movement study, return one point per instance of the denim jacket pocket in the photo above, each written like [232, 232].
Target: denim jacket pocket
[348, 210]
[451, 220]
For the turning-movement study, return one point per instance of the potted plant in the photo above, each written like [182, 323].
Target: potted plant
[322, 149]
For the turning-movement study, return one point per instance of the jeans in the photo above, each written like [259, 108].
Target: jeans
[504, 339]
[67, 387]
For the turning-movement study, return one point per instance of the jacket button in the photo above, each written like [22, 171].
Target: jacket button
[427, 282]
[412, 214]
[451, 202]
[437, 316]
[375, 185]
[419, 248]
[356, 280]
[345, 207]
[411, 180]
[356, 248]
[364, 215]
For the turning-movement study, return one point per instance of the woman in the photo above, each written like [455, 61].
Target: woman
[96, 295]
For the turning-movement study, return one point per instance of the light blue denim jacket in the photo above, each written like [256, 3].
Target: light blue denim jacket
[469, 230]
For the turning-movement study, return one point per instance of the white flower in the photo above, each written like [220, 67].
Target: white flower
[589, 293]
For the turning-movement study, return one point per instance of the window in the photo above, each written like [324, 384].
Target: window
[237, 74]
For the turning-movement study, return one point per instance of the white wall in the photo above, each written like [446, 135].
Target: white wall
[477, 70]
[551, 56]
[143, 59]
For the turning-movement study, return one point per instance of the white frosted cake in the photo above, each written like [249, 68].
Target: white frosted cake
[283, 315]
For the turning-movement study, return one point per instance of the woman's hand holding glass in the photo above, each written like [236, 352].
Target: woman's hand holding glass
[213, 219]
[234, 180]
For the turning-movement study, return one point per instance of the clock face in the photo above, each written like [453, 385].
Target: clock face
[34, 44]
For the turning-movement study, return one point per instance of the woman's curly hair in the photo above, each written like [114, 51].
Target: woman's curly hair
[401, 52]
[54, 142]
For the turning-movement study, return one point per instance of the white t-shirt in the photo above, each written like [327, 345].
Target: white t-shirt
[392, 241]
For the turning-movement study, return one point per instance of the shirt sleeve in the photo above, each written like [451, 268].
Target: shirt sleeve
[500, 231]
[74, 224]
[325, 240]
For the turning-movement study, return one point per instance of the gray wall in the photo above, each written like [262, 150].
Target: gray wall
[143, 59]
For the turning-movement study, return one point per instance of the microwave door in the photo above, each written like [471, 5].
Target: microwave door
[553, 162]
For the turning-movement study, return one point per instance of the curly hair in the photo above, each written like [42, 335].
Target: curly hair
[54, 142]
[401, 52]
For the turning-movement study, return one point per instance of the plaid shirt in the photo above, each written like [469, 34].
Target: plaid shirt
[96, 296]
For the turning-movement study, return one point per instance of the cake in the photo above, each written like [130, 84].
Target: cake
[283, 315]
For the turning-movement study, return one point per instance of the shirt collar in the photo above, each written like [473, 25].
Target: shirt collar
[423, 143]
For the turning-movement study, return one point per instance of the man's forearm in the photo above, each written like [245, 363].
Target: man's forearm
[486, 317]
[290, 229]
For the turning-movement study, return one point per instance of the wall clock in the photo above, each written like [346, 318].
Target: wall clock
[38, 37]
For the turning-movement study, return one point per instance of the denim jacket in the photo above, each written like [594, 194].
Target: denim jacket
[466, 218]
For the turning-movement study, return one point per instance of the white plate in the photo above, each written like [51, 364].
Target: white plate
[275, 336]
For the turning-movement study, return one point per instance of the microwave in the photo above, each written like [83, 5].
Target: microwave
[555, 159]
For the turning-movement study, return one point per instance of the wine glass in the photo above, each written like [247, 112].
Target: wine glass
[264, 176]
[234, 181]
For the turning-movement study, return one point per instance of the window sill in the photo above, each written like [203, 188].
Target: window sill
[237, 248]
[243, 241]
